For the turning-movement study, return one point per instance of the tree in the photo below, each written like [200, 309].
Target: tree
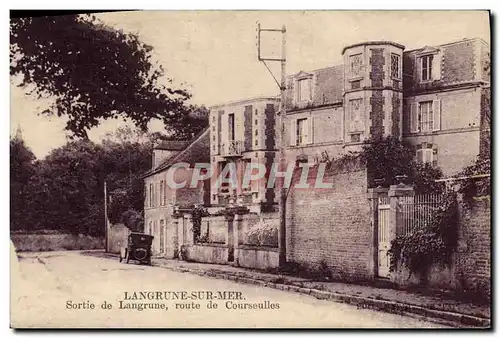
[389, 157]
[22, 170]
[93, 72]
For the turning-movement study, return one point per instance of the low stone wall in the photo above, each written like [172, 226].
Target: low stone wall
[257, 257]
[214, 228]
[55, 242]
[206, 253]
[117, 237]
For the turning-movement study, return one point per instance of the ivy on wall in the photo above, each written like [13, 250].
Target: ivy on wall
[432, 242]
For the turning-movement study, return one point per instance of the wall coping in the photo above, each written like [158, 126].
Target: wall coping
[257, 247]
[218, 245]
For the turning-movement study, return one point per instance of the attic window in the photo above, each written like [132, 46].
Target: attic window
[304, 90]
[426, 67]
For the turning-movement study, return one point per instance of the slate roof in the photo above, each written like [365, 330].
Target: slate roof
[172, 145]
[328, 85]
[196, 151]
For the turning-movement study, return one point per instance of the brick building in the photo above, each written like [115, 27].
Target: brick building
[243, 132]
[431, 97]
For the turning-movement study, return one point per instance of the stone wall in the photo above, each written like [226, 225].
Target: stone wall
[117, 237]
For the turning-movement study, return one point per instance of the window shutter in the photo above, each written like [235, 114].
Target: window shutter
[310, 125]
[413, 118]
[436, 67]
[436, 110]
[419, 68]
[420, 158]
[293, 132]
[428, 155]
[239, 131]
[224, 129]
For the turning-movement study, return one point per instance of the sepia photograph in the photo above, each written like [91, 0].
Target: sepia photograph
[291, 169]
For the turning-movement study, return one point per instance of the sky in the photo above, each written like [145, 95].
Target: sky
[214, 54]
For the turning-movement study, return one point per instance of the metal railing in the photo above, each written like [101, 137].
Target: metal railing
[232, 148]
[416, 211]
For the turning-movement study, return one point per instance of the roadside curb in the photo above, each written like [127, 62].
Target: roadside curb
[363, 302]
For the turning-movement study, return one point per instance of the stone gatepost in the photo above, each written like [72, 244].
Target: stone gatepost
[396, 193]
[237, 226]
[373, 197]
[178, 226]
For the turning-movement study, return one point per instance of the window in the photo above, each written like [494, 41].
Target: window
[256, 122]
[395, 69]
[356, 137]
[247, 167]
[425, 155]
[256, 132]
[224, 187]
[426, 67]
[162, 193]
[153, 160]
[162, 236]
[231, 127]
[356, 64]
[425, 116]
[356, 84]
[301, 131]
[151, 195]
[304, 90]
[355, 111]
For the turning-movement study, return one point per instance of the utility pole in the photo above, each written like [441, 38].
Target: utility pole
[105, 217]
[280, 133]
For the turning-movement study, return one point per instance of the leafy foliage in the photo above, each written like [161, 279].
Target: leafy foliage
[264, 233]
[431, 242]
[133, 220]
[95, 72]
[65, 191]
[389, 157]
[22, 169]
[472, 187]
[197, 213]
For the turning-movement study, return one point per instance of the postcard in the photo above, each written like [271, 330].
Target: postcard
[250, 169]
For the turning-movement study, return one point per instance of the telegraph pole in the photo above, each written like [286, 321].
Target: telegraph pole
[105, 217]
[280, 134]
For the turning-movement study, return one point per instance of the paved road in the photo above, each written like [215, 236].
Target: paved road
[48, 283]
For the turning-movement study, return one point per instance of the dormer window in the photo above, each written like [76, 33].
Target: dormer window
[303, 90]
[426, 67]
[429, 64]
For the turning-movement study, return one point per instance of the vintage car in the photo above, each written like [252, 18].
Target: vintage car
[138, 248]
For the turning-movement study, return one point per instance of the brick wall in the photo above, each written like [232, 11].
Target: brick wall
[485, 122]
[473, 260]
[333, 226]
